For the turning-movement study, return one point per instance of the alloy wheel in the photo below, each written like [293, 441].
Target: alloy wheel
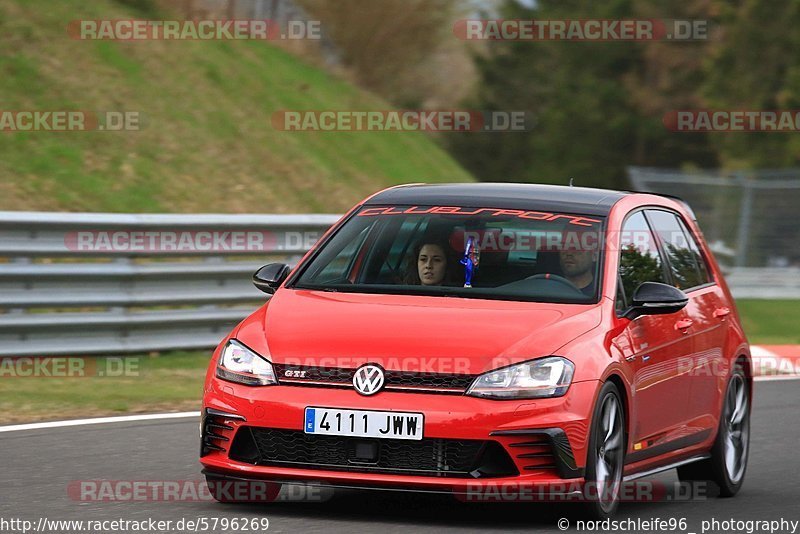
[736, 428]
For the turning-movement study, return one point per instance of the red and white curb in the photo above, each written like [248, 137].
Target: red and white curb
[775, 362]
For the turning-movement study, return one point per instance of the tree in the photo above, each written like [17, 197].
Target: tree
[753, 65]
[388, 44]
[598, 106]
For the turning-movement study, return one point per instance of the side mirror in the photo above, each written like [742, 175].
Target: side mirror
[270, 277]
[653, 298]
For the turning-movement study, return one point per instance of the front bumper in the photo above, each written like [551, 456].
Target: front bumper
[520, 428]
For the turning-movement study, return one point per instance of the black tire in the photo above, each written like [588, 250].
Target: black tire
[605, 455]
[733, 438]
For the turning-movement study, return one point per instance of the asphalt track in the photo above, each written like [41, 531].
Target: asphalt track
[39, 465]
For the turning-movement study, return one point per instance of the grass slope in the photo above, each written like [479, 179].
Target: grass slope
[207, 145]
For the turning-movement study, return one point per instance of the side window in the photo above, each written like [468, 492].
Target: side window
[339, 267]
[411, 227]
[392, 268]
[685, 262]
[621, 299]
[703, 273]
[639, 259]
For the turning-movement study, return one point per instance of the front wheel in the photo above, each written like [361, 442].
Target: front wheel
[606, 454]
[728, 462]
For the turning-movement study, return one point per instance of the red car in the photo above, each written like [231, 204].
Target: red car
[461, 338]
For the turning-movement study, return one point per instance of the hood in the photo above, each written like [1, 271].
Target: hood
[410, 332]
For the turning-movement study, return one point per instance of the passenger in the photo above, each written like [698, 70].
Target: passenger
[429, 264]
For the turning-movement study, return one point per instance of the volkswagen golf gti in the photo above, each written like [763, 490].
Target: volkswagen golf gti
[464, 337]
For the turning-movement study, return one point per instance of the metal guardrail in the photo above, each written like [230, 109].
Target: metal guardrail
[56, 298]
[65, 291]
[751, 215]
[765, 283]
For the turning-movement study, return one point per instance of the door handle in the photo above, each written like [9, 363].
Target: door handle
[721, 313]
[684, 325]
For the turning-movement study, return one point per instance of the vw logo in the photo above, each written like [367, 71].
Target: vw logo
[368, 379]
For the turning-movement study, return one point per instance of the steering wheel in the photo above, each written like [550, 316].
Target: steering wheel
[554, 278]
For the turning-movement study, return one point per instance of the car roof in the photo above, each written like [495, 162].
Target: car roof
[556, 198]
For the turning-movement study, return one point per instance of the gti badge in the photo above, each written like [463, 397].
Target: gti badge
[294, 374]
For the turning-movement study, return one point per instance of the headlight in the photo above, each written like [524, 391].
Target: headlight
[545, 377]
[239, 364]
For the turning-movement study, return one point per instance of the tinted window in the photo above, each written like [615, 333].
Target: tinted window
[684, 258]
[338, 267]
[639, 258]
[399, 248]
[701, 262]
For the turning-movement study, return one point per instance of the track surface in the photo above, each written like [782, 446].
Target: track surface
[38, 466]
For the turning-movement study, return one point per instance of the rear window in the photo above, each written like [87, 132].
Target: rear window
[466, 252]
[686, 264]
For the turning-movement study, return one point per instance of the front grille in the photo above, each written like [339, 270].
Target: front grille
[394, 380]
[426, 457]
[428, 380]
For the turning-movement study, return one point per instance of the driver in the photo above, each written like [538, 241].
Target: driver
[578, 267]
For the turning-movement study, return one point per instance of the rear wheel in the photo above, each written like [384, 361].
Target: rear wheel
[728, 462]
[606, 454]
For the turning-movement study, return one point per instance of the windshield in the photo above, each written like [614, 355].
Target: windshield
[487, 253]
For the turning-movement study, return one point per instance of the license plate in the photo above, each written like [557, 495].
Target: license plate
[363, 423]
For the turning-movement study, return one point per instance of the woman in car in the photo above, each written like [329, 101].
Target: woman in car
[430, 263]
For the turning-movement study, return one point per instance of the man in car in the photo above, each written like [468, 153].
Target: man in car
[578, 266]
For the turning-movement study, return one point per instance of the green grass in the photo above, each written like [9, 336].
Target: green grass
[207, 145]
[169, 382]
[771, 322]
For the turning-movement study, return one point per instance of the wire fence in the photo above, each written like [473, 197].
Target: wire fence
[751, 219]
